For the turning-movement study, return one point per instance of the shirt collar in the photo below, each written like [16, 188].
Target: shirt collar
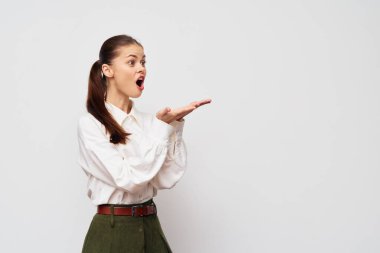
[120, 115]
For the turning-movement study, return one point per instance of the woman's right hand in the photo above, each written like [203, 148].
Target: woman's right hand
[168, 115]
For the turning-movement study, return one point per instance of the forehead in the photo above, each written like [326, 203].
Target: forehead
[130, 51]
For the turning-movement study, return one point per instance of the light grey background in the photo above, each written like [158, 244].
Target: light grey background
[285, 158]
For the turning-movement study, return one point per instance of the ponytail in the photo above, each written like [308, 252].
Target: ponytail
[97, 92]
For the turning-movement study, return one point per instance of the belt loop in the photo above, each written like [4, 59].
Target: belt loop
[112, 216]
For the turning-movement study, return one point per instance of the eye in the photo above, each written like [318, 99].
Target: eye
[133, 62]
[143, 62]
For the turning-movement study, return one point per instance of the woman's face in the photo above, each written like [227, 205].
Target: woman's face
[125, 71]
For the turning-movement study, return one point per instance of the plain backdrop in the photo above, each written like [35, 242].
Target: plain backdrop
[284, 159]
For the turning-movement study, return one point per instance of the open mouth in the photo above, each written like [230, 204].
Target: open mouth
[140, 82]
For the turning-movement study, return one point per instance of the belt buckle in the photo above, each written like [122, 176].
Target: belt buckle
[133, 210]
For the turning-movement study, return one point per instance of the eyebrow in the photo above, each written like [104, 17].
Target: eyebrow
[134, 56]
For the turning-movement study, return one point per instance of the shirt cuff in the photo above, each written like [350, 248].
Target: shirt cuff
[178, 128]
[161, 130]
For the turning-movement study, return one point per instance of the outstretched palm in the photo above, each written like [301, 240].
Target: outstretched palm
[169, 115]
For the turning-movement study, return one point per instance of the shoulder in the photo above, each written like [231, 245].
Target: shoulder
[86, 119]
[87, 122]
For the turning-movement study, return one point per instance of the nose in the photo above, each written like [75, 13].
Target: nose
[141, 68]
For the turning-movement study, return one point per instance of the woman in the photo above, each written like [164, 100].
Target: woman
[127, 154]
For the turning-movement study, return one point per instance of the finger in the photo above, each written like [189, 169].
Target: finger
[163, 112]
[187, 108]
[166, 111]
[196, 104]
[204, 101]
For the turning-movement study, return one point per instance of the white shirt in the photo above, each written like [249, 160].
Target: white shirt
[153, 158]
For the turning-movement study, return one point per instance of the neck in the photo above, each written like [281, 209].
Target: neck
[118, 99]
[124, 104]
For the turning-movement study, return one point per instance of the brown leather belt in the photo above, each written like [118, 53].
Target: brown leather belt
[136, 210]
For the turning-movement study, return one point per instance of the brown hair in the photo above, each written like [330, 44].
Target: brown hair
[97, 87]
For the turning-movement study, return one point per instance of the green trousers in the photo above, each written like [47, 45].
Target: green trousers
[125, 234]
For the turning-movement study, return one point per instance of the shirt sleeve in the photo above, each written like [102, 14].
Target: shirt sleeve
[100, 158]
[175, 163]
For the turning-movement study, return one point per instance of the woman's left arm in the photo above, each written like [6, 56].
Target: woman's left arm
[174, 165]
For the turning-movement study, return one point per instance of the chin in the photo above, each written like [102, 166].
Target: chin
[136, 95]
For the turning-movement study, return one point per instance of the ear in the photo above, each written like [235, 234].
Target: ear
[107, 71]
